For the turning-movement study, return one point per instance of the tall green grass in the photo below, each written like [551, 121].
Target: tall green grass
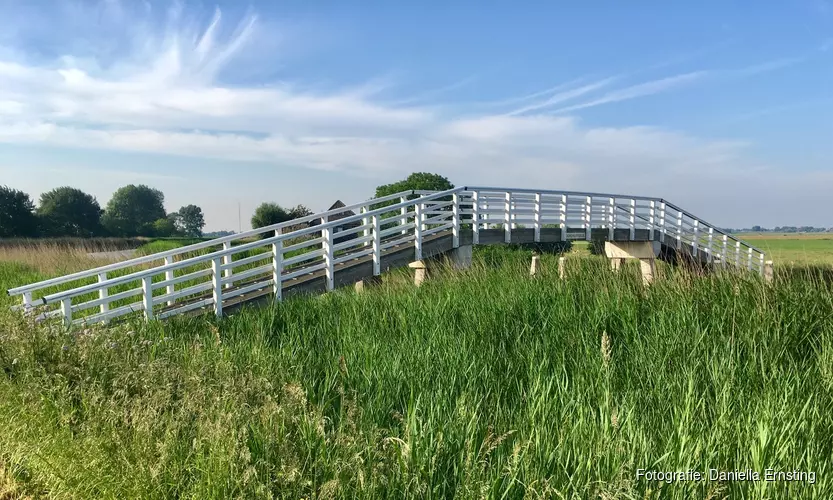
[483, 383]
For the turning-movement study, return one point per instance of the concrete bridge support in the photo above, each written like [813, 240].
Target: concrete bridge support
[645, 251]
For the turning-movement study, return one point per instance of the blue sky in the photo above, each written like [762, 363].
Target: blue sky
[724, 108]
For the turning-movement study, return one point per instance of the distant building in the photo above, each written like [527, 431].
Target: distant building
[343, 227]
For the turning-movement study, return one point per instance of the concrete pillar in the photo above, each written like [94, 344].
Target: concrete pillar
[420, 272]
[645, 251]
[562, 267]
[648, 267]
[366, 283]
[535, 267]
[769, 271]
[460, 257]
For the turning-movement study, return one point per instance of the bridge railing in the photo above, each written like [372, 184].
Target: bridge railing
[265, 260]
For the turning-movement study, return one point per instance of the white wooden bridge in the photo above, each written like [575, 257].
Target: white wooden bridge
[315, 253]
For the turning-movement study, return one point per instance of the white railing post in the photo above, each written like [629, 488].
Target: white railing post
[365, 231]
[737, 254]
[418, 231]
[147, 297]
[696, 243]
[169, 275]
[329, 272]
[507, 214]
[587, 217]
[710, 249]
[217, 286]
[377, 247]
[66, 311]
[27, 302]
[611, 218]
[651, 219]
[563, 217]
[403, 213]
[679, 230]
[749, 263]
[455, 220]
[102, 293]
[632, 225]
[662, 222]
[725, 256]
[277, 267]
[227, 259]
[762, 264]
[475, 218]
[537, 215]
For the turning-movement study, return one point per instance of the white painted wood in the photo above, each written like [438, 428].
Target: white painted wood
[662, 227]
[418, 231]
[679, 230]
[181, 279]
[217, 288]
[27, 301]
[455, 221]
[749, 262]
[475, 217]
[248, 260]
[301, 272]
[183, 292]
[737, 253]
[304, 257]
[227, 259]
[588, 202]
[248, 273]
[536, 218]
[327, 234]
[260, 285]
[354, 256]
[632, 221]
[611, 218]
[403, 212]
[724, 256]
[695, 245]
[111, 298]
[651, 219]
[377, 241]
[102, 294]
[66, 311]
[169, 276]
[711, 242]
[507, 214]
[563, 217]
[147, 297]
[186, 308]
[763, 265]
[365, 223]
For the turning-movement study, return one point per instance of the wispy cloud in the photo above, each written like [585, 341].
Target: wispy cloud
[639, 90]
[167, 90]
[563, 96]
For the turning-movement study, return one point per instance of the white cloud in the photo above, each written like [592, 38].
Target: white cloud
[168, 92]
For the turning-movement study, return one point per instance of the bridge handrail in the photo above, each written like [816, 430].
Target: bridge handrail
[75, 292]
[197, 246]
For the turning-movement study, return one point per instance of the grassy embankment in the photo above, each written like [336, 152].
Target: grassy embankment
[483, 383]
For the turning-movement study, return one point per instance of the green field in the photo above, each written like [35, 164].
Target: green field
[791, 248]
[483, 383]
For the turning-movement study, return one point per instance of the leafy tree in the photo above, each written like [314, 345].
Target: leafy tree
[191, 220]
[17, 217]
[269, 213]
[418, 181]
[66, 211]
[299, 211]
[164, 228]
[133, 210]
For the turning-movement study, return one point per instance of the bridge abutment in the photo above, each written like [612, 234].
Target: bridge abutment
[644, 251]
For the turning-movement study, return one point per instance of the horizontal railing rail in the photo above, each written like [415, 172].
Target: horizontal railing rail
[315, 247]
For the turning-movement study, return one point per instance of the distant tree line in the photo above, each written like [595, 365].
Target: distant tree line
[780, 229]
[66, 211]
[138, 210]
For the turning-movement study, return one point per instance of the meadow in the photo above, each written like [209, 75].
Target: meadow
[480, 383]
[792, 248]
